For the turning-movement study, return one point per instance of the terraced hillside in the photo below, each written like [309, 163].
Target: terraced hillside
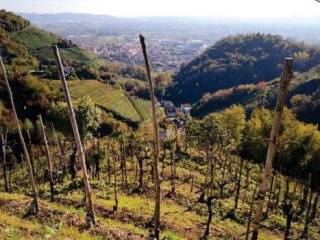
[38, 43]
[111, 98]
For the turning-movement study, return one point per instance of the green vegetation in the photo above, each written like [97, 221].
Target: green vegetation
[110, 98]
[217, 141]
[303, 96]
[209, 167]
[238, 60]
[29, 59]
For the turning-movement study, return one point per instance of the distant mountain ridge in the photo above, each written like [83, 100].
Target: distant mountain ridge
[65, 17]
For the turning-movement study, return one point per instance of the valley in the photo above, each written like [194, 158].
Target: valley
[193, 130]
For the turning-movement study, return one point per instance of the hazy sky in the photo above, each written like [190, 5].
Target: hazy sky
[213, 8]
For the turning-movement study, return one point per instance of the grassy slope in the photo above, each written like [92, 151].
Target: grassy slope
[65, 219]
[111, 98]
[38, 43]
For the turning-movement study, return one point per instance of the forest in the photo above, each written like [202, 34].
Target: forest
[239, 59]
[303, 97]
[83, 157]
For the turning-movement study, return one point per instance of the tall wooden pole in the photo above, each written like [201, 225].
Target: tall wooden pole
[58, 145]
[156, 142]
[24, 147]
[3, 149]
[31, 152]
[284, 82]
[44, 135]
[250, 212]
[90, 214]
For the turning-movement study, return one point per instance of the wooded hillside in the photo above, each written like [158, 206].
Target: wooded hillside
[237, 60]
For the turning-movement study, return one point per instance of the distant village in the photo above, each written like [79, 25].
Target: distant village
[165, 54]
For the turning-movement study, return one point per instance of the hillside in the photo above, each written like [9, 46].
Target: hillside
[111, 98]
[303, 96]
[29, 59]
[125, 179]
[38, 43]
[237, 60]
[183, 215]
[19, 37]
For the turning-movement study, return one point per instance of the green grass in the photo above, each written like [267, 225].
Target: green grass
[136, 210]
[16, 228]
[34, 38]
[110, 98]
[38, 43]
[143, 108]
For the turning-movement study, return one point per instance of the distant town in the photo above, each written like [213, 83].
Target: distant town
[166, 54]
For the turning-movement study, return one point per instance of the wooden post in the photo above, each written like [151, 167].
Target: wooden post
[250, 212]
[4, 138]
[173, 170]
[238, 184]
[156, 142]
[31, 154]
[307, 220]
[210, 215]
[44, 135]
[116, 202]
[284, 82]
[270, 193]
[90, 214]
[57, 143]
[25, 151]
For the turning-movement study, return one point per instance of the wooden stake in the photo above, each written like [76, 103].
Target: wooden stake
[250, 212]
[90, 214]
[31, 154]
[61, 156]
[25, 151]
[156, 142]
[116, 202]
[44, 135]
[284, 82]
[4, 138]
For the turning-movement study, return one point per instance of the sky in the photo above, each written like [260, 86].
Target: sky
[204, 8]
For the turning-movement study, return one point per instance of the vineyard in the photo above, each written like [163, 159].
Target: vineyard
[38, 43]
[89, 159]
[111, 98]
[182, 216]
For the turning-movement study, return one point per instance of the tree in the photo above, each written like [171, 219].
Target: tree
[255, 134]
[162, 81]
[88, 116]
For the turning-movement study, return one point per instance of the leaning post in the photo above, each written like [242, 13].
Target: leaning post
[90, 214]
[35, 206]
[282, 93]
[155, 140]
[45, 140]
